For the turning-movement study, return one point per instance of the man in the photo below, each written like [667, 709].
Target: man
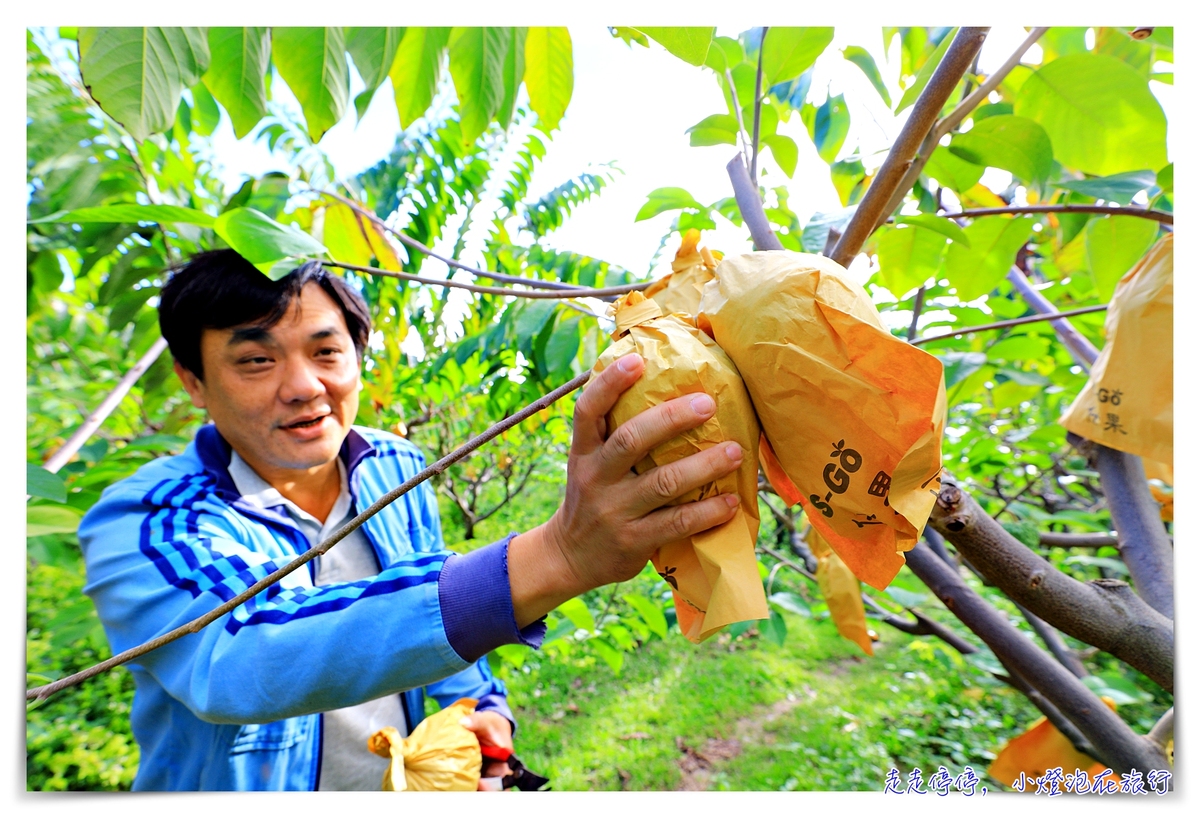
[283, 692]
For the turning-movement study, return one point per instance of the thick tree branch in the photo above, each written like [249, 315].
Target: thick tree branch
[873, 208]
[1142, 540]
[1052, 713]
[939, 546]
[1164, 729]
[1080, 348]
[1116, 745]
[1060, 540]
[320, 548]
[745, 190]
[1052, 640]
[1012, 322]
[1105, 613]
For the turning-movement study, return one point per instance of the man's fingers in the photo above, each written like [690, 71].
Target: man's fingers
[599, 397]
[663, 484]
[634, 438]
[671, 524]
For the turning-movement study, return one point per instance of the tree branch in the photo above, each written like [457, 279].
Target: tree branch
[574, 292]
[762, 41]
[939, 546]
[1081, 348]
[873, 207]
[1052, 713]
[1060, 540]
[1105, 210]
[1105, 613]
[317, 550]
[1012, 322]
[1163, 730]
[1052, 640]
[745, 190]
[918, 305]
[1116, 745]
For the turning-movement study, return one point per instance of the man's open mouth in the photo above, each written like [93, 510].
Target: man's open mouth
[304, 424]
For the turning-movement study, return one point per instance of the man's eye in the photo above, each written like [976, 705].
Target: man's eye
[329, 351]
[256, 360]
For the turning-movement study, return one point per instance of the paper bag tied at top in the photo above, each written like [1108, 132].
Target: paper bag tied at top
[440, 754]
[679, 291]
[852, 416]
[1128, 402]
[713, 575]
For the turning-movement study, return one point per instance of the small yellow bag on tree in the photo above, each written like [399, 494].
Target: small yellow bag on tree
[842, 593]
[440, 754]
[852, 416]
[679, 291]
[1128, 402]
[713, 575]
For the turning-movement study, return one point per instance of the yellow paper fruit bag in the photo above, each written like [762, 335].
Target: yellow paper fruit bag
[1128, 402]
[440, 754]
[713, 575]
[842, 593]
[852, 415]
[692, 268]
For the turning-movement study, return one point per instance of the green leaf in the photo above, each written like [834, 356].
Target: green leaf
[650, 613]
[46, 519]
[1114, 245]
[718, 129]
[513, 654]
[774, 628]
[663, 199]
[1116, 687]
[312, 61]
[578, 613]
[1012, 143]
[977, 269]
[126, 307]
[237, 77]
[260, 239]
[1018, 348]
[906, 599]
[816, 232]
[1099, 113]
[629, 35]
[830, 127]
[791, 602]
[958, 366]
[477, 66]
[952, 171]
[913, 91]
[908, 257]
[41, 483]
[785, 152]
[131, 214]
[937, 224]
[562, 346]
[726, 54]
[788, 51]
[612, 657]
[1166, 179]
[417, 70]
[206, 115]
[513, 72]
[863, 59]
[688, 43]
[137, 75]
[532, 318]
[549, 73]
[1119, 188]
[373, 51]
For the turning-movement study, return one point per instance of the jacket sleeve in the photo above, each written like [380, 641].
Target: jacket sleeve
[161, 555]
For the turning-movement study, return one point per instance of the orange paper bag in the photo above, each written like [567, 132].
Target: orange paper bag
[679, 291]
[842, 593]
[440, 754]
[1128, 402]
[713, 575]
[852, 415]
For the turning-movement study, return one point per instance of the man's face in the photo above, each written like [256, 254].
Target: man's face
[283, 397]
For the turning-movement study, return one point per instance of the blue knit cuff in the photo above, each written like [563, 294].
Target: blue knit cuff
[498, 703]
[476, 602]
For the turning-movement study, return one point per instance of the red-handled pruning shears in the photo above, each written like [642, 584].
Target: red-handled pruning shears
[521, 778]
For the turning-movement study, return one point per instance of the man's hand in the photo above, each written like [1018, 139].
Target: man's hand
[612, 519]
[490, 728]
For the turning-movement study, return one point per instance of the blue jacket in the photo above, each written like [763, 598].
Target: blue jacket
[237, 706]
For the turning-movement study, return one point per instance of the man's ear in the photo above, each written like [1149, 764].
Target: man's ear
[193, 385]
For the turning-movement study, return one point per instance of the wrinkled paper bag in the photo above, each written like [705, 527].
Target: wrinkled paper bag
[1128, 402]
[852, 416]
[679, 291]
[440, 754]
[713, 575]
[842, 593]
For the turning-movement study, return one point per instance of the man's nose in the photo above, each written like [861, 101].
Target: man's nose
[300, 382]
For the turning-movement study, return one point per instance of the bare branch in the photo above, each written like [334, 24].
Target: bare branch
[1052, 640]
[1105, 613]
[737, 109]
[873, 207]
[1012, 322]
[918, 305]
[762, 42]
[1164, 729]
[1060, 540]
[939, 546]
[1081, 348]
[1104, 210]
[1116, 745]
[574, 292]
[320, 548]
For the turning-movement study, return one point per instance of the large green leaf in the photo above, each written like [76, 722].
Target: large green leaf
[789, 51]
[1120, 187]
[41, 483]
[830, 127]
[373, 51]
[977, 269]
[908, 256]
[1114, 245]
[785, 152]
[477, 66]
[237, 77]
[312, 61]
[576, 611]
[46, 519]
[951, 171]
[863, 59]
[260, 239]
[927, 68]
[416, 71]
[958, 366]
[562, 347]
[718, 129]
[663, 199]
[1012, 143]
[131, 214]
[688, 43]
[206, 115]
[514, 72]
[549, 73]
[137, 75]
[1099, 114]
[651, 614]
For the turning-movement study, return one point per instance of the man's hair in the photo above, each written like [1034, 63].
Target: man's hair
[220, 289]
